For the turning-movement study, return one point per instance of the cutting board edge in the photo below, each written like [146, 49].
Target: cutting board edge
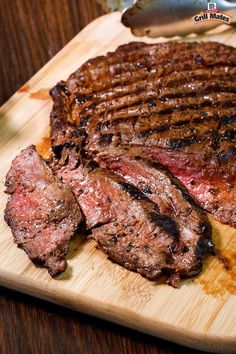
[102, 310]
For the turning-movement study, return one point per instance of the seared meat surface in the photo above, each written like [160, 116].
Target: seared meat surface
[41, 211]
[62, 130]
[175, 100]
[153, 229]
[126, 225]
[157, 183]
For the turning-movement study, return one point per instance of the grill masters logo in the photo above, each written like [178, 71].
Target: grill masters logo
[212, 14]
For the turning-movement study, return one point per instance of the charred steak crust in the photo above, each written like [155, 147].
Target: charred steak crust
[176, 100]
[61, 128]
[41, 211]
[172, 199]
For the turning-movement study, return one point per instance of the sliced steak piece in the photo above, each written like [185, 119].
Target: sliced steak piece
[177, 99]
[127, 226]
[156, 182]
[41, 211]
[218, 197]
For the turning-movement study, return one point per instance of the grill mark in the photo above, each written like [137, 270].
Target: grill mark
[166, 223]
[105, 139]
[133, 191]
[163, 57]
[112, 108]
[92, 165]
[132, 57]
[128, 102]
[228, 120]
[84, 120]
[176, 144]
[228, 135]
[198, 117]
[168, 81]
[164, 69]
[225, 56]
[179, 124]
[134, 49]
[205, 103]
[161, 71]
[214, 141]
[157, 91]
[202, 120]
[209, 101]
[80, 98]
[226, 155]
[205, 91]
[166, 127]
[164, 50]
[184, 139]
[148, 132]
[203, 245]
[212, 135]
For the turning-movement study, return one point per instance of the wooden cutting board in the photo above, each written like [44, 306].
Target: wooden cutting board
[201, 314]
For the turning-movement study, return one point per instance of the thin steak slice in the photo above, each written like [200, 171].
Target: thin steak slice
[157, 183]
[41, 211]
[130, 228]
[177, 99]
[217, 196]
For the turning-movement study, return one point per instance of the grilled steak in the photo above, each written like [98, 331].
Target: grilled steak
[127, 225]
[218, 196]
[41, 212]
[177, 100]
[157, 183]
[169, 234]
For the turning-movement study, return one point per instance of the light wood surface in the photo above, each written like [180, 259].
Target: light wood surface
[201, 314]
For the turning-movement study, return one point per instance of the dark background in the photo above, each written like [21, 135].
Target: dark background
[32, 32]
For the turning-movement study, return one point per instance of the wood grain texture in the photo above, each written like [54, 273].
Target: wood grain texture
[35, 327]
[200, 314]
[32, 32]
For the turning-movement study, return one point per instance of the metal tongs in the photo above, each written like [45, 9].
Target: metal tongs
[168, 18]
